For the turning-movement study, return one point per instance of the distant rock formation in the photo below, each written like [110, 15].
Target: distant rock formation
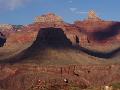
[88, 33]
[93, 16]
[6, 26]
[50, 18]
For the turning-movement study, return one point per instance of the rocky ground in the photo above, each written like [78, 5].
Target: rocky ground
[38, 77]
[61, 56]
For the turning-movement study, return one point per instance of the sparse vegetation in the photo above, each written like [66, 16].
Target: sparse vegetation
[116, 86]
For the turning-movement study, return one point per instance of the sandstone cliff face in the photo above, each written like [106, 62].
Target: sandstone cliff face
[100, 34]
[50, 17]
[23, 77]
[90, 36]
[95, 35]
[93, 16]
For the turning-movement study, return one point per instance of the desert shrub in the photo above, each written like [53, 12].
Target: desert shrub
[116, 86]
[74, 88]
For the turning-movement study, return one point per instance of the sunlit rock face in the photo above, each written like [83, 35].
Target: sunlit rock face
[93, 16]
[50, 17]
[82, 45]
[92, 32]
[6, 26]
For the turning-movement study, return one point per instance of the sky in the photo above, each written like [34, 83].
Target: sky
[24, 11]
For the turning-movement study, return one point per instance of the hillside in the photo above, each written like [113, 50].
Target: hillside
[50, 51]
[52, 47]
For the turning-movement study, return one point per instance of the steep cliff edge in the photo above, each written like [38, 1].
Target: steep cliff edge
[94, 37]
[52, 54]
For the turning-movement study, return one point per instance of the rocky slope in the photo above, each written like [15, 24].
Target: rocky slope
[51, 51]
[93, 36]
[31, 76]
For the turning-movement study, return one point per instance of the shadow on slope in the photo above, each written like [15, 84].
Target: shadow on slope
[53, 38]
[2, 39]
[106, 55]
[106, 33]
[46, 38]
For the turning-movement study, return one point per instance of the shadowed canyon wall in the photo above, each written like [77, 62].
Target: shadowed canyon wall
[94, 35]
[2, 39]
[52, 37]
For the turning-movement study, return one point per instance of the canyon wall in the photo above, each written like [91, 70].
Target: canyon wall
[97, 35]
[81, 75]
